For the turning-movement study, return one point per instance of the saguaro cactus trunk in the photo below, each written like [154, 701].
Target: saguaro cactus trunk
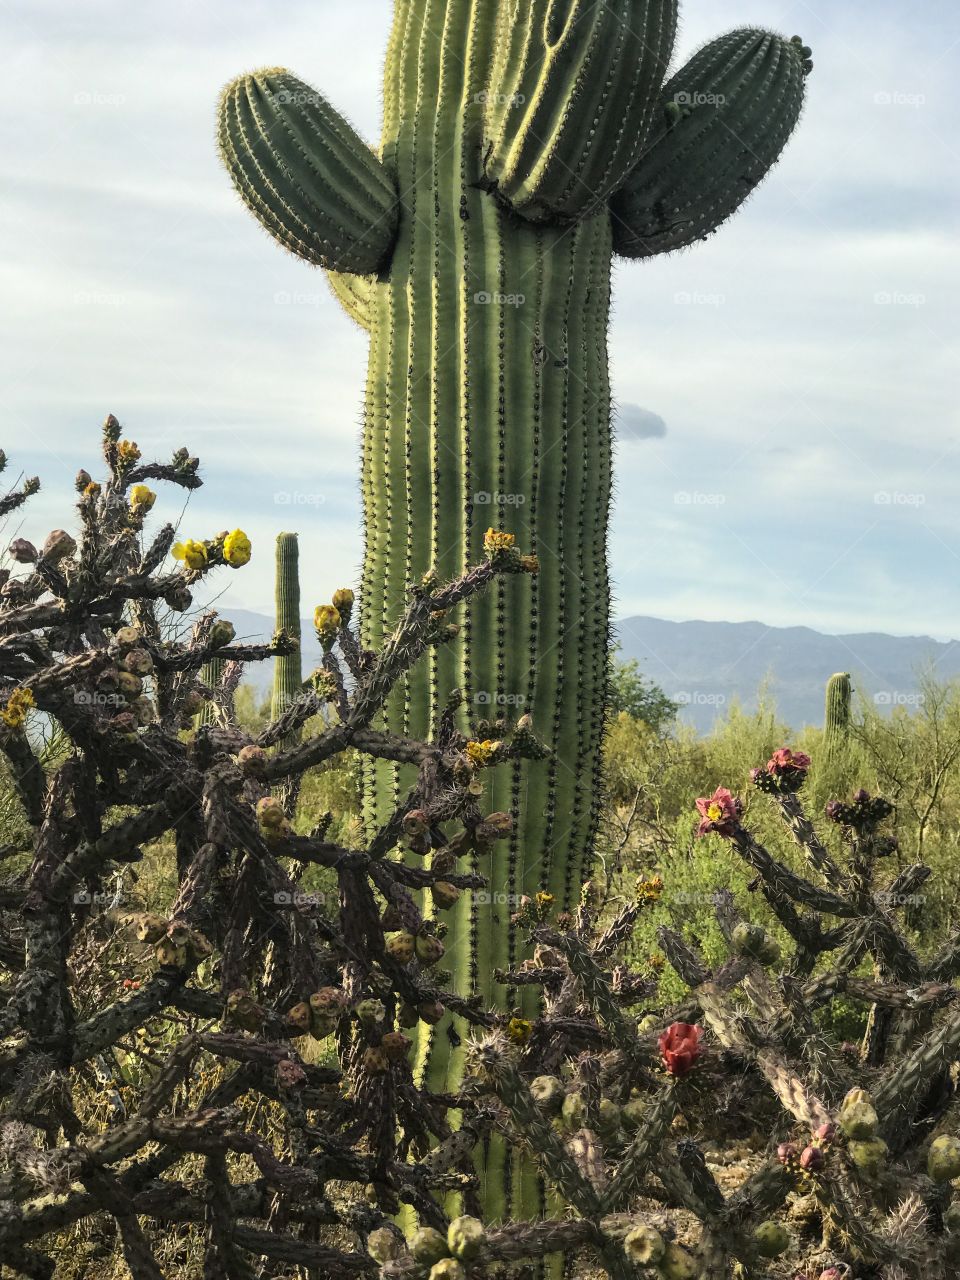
[836, 719]
[524, 142]
[287, 669]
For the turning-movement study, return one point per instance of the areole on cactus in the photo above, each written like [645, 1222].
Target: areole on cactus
[523, 144]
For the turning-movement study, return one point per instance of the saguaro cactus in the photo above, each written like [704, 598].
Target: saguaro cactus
[287, 670]
[524, 141]
[836, 720]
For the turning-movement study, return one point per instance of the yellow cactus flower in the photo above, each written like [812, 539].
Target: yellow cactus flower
[142, 498]
[519, 1030]
[236, 549]
[649, 890]
[545, 901]
[343, 600]
[481, 753]
[495, 542]
[128, 451]
[193, 554]
[19, 703]
[326, 619]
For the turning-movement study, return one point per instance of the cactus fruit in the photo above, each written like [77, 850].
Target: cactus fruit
[836, 719]
[465, 1238]
[868, 1155]
[287, 671]
[943, 1158]
[677, 1263]
[522, 145]
[771, 1239]
[644, 1246]
[857, 1117]
[428, 1246]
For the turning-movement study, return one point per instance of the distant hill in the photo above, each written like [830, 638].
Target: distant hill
[706, 665]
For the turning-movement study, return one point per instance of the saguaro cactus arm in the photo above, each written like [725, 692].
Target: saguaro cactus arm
[726, 117]
[305, 173]
[571, 99]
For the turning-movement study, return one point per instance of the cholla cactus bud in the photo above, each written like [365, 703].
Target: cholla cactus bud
[343, 602]
[678, 1263]
[270, 814]
[400, 946]
[573, 1110]
[22, 551]
[57, 546]
[644, 1246]
[221, 633]
[771, 1239]
[868, 1156]
[465, 1238]
[327, 1002]
[395, 1045]
[130, 685]
[826, 1133]
[383, 1245]
[548, 1093]
[370, 1011]
[447, 1269]
[138, 661]
[428, 1246]
[193, 700]
[812, 1159]
[444, 894]
[430, 1012]
[252, 761]
[149, 928]
[943, 1158]
[243, 1011]
[375, 1061]
[857, 1116]
[170, 955]
[290, 1075]
[299, 1018]
[788, 1153]
[633, 1112]
[428, 948]
[127, 637]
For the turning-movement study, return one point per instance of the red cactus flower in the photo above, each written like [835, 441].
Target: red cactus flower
[786, 761]
[719, 812]
[680, 1047]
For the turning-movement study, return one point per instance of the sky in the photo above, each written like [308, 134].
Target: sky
[788, 442]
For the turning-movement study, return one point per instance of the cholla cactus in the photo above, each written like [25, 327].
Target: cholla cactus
[243, 943]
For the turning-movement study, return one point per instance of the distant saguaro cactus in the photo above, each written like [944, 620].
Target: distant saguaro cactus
[287, 669]
[836, 720]
[523, 144]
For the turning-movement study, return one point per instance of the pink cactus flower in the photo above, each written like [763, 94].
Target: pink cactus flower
[719, 812]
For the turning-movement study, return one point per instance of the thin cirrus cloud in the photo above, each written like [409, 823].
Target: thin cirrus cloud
[804, 357]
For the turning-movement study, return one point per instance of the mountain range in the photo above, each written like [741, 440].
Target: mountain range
[706, 666]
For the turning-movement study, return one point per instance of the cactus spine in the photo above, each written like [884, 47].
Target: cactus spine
[522, 144]
[836, 721]
[287, 671]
